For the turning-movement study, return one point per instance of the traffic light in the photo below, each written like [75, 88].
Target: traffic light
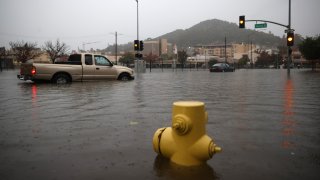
[290, 38]
[141, 47]
[136, 45]
[242, 21]
[138, 55]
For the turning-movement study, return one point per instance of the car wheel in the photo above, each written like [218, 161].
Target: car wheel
[61, 79]
[124, 77]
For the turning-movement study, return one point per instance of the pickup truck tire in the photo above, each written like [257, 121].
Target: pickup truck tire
[61, 78]
[124, 77]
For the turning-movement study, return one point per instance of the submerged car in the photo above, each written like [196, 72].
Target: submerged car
[221, 67]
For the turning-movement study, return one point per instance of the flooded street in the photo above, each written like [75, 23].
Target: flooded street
[268, 125]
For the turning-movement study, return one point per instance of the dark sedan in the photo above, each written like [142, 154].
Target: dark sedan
[221, 67]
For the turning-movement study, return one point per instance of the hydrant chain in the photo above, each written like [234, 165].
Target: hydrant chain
[156, 141]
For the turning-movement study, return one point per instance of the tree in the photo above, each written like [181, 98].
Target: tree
[127, 58]
[243, 61]
[24, 50]
[182, 57]
[55, 50]
[164, 56]
[150, 58]
[310, 49]
[2, 54]
[264, 59]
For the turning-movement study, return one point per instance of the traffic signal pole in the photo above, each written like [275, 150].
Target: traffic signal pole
[289, 31]
[289, 47]
[139, 64]
[137, 24]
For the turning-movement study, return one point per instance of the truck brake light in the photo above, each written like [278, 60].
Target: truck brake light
[33, 71]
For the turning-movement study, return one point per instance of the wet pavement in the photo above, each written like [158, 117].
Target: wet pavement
[268, 125]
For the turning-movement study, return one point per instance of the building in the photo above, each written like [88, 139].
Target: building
[157, 47]
[221, 52]
[239, 50]
[230, 52]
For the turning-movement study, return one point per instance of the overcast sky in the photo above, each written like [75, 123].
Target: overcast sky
[95, 21]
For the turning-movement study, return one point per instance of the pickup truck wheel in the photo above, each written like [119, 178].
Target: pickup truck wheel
[124, 77]
[61, 79]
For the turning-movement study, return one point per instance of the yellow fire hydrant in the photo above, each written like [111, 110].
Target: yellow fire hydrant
[186, 142]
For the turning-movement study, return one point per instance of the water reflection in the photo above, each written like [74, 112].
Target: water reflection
[36, 121]
[288, 121]
[34, 95]
[165, 169]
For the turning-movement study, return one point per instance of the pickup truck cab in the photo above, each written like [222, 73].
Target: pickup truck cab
[79, 67]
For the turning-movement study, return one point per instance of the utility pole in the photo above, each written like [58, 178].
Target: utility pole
[225, 49]
[116, 48]
[251, 61]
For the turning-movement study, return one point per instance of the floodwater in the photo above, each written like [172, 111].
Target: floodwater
[267, 123]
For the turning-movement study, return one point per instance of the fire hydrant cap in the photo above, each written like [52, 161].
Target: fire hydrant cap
[188, 103]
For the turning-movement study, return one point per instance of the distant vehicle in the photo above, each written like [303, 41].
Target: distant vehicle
[221, 67]
[78, 67]
[291, 66]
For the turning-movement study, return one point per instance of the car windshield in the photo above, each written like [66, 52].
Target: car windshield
[217, 65]
[224, 65]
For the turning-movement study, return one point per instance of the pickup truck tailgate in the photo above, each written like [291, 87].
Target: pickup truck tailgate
[25, 69]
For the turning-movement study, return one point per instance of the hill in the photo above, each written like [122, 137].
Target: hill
[214, 31]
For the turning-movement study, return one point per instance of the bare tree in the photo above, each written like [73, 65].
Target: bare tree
[24, 50]
[2, 54]
[56, 49]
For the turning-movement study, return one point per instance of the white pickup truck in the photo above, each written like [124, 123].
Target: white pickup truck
[79, 67]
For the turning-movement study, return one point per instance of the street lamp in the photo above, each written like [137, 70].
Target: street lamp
[137, 19]
[139, 63]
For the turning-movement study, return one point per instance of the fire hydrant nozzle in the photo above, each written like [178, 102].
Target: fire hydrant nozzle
[181, 124]
[186, 142]
[217, 149]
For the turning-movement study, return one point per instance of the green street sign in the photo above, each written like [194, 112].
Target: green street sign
[263, 25]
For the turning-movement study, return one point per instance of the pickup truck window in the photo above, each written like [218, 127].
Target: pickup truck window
[88, 59]
[101, 61]
[75, 58]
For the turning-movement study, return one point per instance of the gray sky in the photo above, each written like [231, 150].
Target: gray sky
[83, 21]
